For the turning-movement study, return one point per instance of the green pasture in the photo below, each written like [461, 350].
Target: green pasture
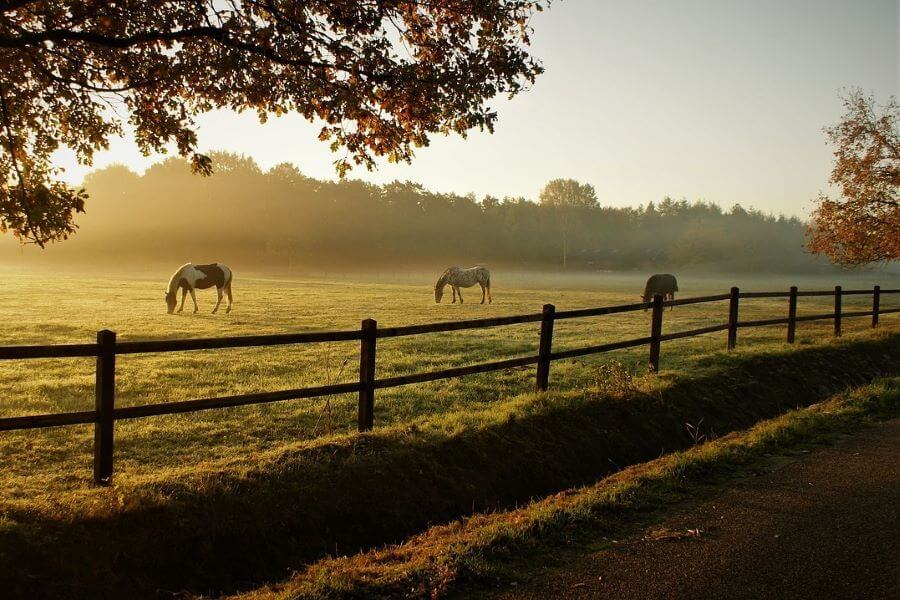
[43, 469]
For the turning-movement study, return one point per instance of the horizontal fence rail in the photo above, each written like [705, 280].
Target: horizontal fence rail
[235, 342]
[693, 332]
[596, 312]
[389, 332]
[771, 294]
[598, 349]
[51, 420]
[183, 406]
[455, 372]
[762, 322]
[105, 413]
[697, 300]
[59, 351]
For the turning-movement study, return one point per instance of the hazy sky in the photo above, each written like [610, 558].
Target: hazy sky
[720, 100]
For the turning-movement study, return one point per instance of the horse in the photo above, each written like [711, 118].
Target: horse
[190, 276]
[457, 278]
[662, 284]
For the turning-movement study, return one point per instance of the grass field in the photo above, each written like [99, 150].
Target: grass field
[49, 470]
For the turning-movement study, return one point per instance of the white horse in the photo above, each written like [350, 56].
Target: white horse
[463, 278]
[190, 276]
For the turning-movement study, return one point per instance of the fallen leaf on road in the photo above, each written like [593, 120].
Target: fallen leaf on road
[664, 534]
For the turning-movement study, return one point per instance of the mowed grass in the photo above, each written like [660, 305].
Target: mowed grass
[50, 469]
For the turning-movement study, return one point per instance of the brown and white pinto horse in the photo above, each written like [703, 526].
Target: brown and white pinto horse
[190, 276]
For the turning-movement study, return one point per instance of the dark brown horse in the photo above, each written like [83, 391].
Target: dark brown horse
[661, 284]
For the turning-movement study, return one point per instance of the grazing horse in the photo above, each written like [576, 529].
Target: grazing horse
[463, 278]
[664, 285]
[190, 276]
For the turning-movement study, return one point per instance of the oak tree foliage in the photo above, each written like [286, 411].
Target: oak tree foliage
[863, 224]
[568, 193]
[382, 75]
[566, 197]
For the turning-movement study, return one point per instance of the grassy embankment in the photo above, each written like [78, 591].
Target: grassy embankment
[485, 549]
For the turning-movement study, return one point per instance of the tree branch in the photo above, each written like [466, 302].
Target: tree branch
[11, 147]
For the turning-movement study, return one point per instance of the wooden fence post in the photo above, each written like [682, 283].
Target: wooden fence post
[876, 305]
[367, 375]
[656, 332]
[543, 366]
[733, 317]
[792, 314]
[837, 310]
[105, 401]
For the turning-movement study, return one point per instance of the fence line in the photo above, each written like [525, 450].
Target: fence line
[105, 413]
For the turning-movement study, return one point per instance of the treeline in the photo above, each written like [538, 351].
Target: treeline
[281, 219]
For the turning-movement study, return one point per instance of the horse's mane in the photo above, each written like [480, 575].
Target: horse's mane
[442, 280]
[174, 280]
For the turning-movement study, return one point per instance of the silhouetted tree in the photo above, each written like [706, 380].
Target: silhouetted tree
[383, 76]
[863, 225]
[566, 197]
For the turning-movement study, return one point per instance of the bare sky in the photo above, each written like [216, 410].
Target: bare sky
[720, 100]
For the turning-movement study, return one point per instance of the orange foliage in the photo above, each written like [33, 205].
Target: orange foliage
[381, 77]
[863, 225]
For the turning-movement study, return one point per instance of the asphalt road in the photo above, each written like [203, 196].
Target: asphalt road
[821, 525]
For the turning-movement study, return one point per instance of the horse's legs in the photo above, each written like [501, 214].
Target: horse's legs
[228, 293]
[459, 292]
[183, 294]
[672, 298]
[482, 293]
[490, 298]
[194, 298]
[453, 289]
[218, 299]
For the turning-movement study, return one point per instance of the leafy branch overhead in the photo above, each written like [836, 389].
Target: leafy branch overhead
[381, 75]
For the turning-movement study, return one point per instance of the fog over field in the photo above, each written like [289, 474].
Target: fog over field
[282, 222]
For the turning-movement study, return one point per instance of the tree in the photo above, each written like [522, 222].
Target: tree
[863, 225]
[383, 76]
[566, 196]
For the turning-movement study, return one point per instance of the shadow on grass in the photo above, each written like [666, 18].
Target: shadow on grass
[236, 533]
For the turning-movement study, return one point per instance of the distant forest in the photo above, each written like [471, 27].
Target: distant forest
[282, 220]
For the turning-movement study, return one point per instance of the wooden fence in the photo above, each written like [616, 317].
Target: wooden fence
[105, 412]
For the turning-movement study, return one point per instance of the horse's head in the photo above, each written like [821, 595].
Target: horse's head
[170, 301]
[438, 293]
